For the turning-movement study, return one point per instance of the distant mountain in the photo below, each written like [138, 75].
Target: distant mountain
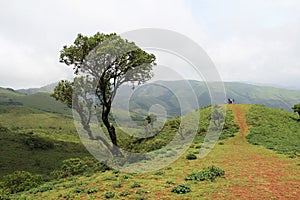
[48, 89]
[176, 96]
[172, 97]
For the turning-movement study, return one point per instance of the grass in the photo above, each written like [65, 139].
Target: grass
[274, 129]
[248, 168]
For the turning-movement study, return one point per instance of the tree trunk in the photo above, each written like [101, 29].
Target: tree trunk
[112, 134]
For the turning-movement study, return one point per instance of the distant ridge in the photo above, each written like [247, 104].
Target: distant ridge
[47, 89]
[143, 97]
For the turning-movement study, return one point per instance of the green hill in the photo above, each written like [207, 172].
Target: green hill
[274, 129]
[176, 96]
[245, 165]
[40, 101]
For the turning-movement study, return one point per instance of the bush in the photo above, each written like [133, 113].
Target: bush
[207, 174]
[170, 182]
[159, 172]
[181, 189]
[117, 185]
[124, 193]
[92, 190]
[21, 181]
[35, 142]
[77, 166]
[109, 195]
[70, 167]
[191, 156]
[3, 129]
[141, 192]
[135, 185]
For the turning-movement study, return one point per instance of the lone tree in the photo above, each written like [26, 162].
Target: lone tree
[101, 64]
[296, 109]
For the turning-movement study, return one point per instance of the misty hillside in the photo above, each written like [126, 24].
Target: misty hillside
[177, 97]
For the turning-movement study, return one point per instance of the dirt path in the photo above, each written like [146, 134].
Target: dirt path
[254, 172]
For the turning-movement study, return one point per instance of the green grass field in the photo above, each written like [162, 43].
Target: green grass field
[251, 171]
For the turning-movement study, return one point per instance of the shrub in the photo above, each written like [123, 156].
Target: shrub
[126, 176]
[35, 142]
[109, 195]
[207, 174]
[3, 129]
[135, 185]
[117, 185]
[141, 192]
[92, 190]
[159, 172]
[21, 181]
[77, 166]
[70, 167]
[170, 182]
[77, 190]
[191, 156]
[181, 189]
[124, 193]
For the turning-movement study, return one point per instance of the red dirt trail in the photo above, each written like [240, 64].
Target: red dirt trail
[255, 172]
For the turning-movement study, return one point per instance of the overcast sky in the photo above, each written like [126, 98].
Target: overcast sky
[253, 41]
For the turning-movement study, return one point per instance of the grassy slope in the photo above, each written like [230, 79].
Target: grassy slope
[252, 172]
[40, 101]
[24, 123]
[274, 129]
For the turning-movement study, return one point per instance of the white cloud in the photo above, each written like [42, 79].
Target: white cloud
[255, 41]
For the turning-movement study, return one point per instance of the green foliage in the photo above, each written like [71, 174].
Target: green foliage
[135, 185]
[91, 190]
[139, 191]
[159, 172]
[3, 129]
[109, 195]
[274, 129]
[170, 182]
[124, 193]
[207, 174]
[181, 189]
[21, 181]
[63, 92]
[116, 185]
[77, 166]
[35, 142]
[296, 108]
[191, 156]
[43, 188]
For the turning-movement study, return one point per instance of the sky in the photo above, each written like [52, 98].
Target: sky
[250, 41]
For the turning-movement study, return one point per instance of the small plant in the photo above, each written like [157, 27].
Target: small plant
[117, 185]
[141, 192]
[92, 190]
[109, 195]
[207, 174]
[191, 156]
[126, 176]
[135, 185]
[170, 182]
[77, 190]
[159, 172]
[124, 193]
[181, 189]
